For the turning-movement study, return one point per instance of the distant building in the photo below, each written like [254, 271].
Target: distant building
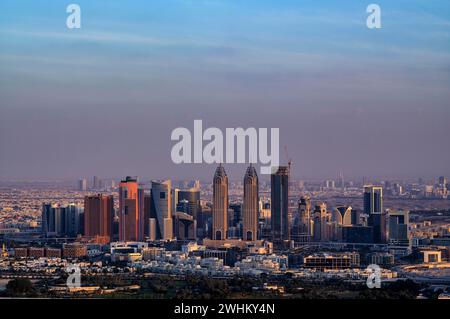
[399, 228]
[357, 234]
[61, 221]
[342, 215]
[322, 229]
[82, 185]
[373, 206]
[250, 206]
[185, 226]
[380, 258]
[303, 227]
[280, 204]
[325, 261]
[220, 204]
[74, 250]
[161, 200]
[192, 197]
[131, 210]
[98, 215]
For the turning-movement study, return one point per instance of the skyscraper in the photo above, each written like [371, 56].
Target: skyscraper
[192, 196]
[161, 199]
[373, 206]
[96, 182]
[82, 185]
[398, 228]
[220, 204]
[321, 223]
[250, 207]
[73, 220]
[61, 221]
[98, 215]
[373, 199]
[305, 224]
[280, 204]
[128, 210]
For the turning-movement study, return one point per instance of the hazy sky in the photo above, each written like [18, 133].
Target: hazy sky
[103, 99]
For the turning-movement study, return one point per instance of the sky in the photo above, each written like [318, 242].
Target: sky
[104, 99]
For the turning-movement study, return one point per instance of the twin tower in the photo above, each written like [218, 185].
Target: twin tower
[220, 204]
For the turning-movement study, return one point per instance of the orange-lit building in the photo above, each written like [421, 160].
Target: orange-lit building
[131, 210]
[74, 250]
[98, 215]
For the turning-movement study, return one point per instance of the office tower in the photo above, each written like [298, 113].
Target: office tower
[147, 212]
[48, 220]
[161, 198]
[250, 206]
[342, 215]
[220, 204]
[341, 183]
[73, 220]
[373, 206]
[96, 182]
[192, 198]
[60, 221]
[398, 228]
[330, 184]
[128, 210]
[174, 197]
[185, 226]
[82, 185]
[98, 216]
[280, 204]
[305, 223]
[373, 199]
[321, 219]
[442, 180]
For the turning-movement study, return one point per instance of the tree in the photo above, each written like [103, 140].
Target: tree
[20, 286]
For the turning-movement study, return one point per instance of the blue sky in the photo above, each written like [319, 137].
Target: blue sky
[341, 94]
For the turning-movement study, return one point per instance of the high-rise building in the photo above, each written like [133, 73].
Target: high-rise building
[220, 204]
[373, 206]
[373, 199]
[305, 223]
[129, 209]
[280, 204]
[321, 231]
[98, 215]
[73, 220]
[147, 213]
[61, 221]
[398, 228]
[161, 198]
[96, 182]
[192, 196]
[48, 220]
[341, 182]
[250, 207]
[82, 185]
[342, 215]
[185, 226]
